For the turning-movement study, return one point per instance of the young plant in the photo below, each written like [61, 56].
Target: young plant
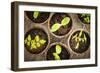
[78, 38]
[35, 14]
[35, 43]
[28, 40]
[58, 49]
[65, 21]
[86, 18]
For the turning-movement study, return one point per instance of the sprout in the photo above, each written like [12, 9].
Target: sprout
[35, 14]
[42, 41]
[35, 43]
[85, 17]
[77, 45]
[80, 34]
[65, 21]
[58, 49]
[56, 56]
[78, 38]
[27, 40]
[37, 38]
[55, 27]
[28, 43]
[85, 38]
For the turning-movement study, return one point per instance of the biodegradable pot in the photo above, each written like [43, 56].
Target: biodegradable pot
[42, 17]
[63, 30]
[83, 46]
[63, 55]
[82, 19]
[42, 34]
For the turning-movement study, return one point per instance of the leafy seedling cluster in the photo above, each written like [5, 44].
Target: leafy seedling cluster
[65, 21]
[78, 38]
[58, 49]
[86, 18]
[35, 14]
[35, 43]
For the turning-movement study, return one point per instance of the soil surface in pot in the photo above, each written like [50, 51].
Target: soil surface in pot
[42, 16]
[57, 18]
[42, 35]
[63, 55]
[79, 41]
[85, 18]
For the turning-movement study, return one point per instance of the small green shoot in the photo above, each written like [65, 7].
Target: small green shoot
[35, 43]
[86, 18]
[55, 27]
[85, 38]
[35, 14]
[42, 41]
[58, 49]
[56, 56]
[80, 34]
[37, 38]
[78, 38]
[77, 46]
[65, 21]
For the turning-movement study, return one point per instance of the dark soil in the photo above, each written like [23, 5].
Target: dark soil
[63, 55]
[57, 18]
[43, 16]
[42, 35]
[82, 19]
[83, 46]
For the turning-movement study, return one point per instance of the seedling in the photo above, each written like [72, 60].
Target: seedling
[35, 14]
[35, 43]
[86, 18]
[65, 21]
[78, 38]
[58, 49]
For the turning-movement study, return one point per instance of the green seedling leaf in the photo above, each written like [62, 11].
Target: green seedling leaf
[37, 38]
[56, 56]
[33, 42]
[58, 49]
[38, 44]
[55, 27]
[82, 40]
[80, 34]
[76, 39]
[25, 40]
[29, 38]
[82, 15]
[28, 43]
[33, 46]
[35, 14]
[77, 46]
[65, 21]
[42, 41]
[85, 38]
[74, 36]
[87, 19]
